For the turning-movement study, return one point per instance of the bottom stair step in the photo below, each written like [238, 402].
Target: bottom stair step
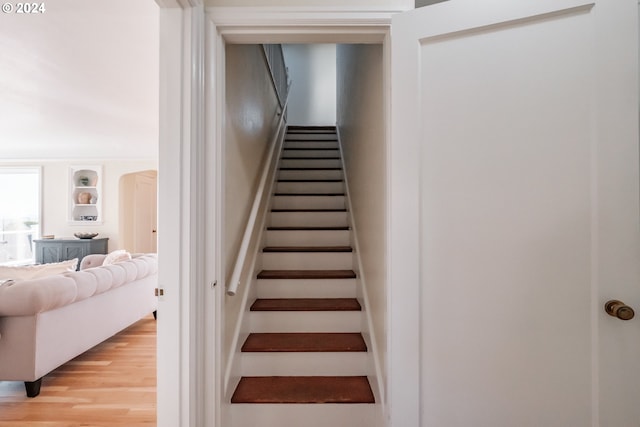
[305, 415]
[303, 390]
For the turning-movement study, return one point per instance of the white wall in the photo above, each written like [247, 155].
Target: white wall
[360, 111]
[80, 81]
[251, 113]
[312, 70]
[55, 193]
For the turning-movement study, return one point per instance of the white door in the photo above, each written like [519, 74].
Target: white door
[139, 211]
[514, 215]
[146, 213]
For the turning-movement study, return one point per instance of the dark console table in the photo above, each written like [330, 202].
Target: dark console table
[56, 250]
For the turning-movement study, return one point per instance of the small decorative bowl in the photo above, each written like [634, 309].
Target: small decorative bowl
[85, 235]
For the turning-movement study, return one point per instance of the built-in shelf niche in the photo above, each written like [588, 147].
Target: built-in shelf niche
[85, 195]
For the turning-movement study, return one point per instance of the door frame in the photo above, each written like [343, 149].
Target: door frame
[185, 278]
[184, 199]
[243, 25]
[192, 117]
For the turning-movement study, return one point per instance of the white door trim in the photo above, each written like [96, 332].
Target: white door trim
[214, 105]
[270, 25]
[247, 17]
[252, 25]
[184, 273]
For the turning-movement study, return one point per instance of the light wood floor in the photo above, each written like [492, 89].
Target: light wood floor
[113, 384]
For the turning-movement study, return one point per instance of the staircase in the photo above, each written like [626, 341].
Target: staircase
[305, 362]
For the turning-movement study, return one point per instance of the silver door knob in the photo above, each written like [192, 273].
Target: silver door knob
[619, 309]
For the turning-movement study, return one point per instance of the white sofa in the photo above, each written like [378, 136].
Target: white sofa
[48, 321]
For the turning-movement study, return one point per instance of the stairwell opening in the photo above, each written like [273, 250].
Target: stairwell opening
[339, 85]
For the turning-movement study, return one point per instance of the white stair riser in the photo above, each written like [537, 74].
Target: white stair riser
[311, 133]
[310, 219]
[310, 144]
[307, 237]
[304, 415]
[306, 288]
[302, 136]
[310, 163]
[305, 321]
[303, 363]
[310, 153]
[310, 174]
[308, 202]
[307, 260]
[310, 187]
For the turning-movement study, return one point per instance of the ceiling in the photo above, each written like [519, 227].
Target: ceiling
[80, 81]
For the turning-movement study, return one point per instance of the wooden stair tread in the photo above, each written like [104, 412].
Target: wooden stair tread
[312, 132]
[311, 127]
[309, 140]
[339, 228]
[310, 180]
[299, 133]
[329, 389]
[310, 148]
[308, 210]
[302, 135]
[310, 158]
[310, 169]
[309, 194]
[307, 249]
[307, 274]
[306, 304]
[304, 342]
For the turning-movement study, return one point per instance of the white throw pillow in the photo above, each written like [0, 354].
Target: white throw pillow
[27, 272]
[116, 256]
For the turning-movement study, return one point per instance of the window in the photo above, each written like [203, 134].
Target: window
[20, 201]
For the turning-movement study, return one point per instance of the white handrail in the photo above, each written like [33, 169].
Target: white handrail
[269, 167]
